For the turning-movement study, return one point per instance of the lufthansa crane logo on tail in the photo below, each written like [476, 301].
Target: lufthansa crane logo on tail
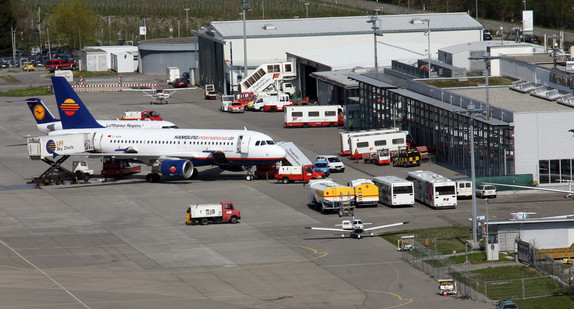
[51, 146]
[69, 107]
[39, 112]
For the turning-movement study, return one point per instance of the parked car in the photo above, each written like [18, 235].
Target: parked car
[531, 39]
[28, 66]
[486, 36]
[335, 164]
[486, 191]
[507, 304]
[236, 107]
[180, 83]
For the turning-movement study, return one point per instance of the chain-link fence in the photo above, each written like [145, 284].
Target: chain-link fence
[558, 277]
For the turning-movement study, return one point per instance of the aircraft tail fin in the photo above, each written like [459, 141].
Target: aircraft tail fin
[73, 113]
[40, 111]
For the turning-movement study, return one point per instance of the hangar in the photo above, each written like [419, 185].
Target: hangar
[158, 54]
[221, 43]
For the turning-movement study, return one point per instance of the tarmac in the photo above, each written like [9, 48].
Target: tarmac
[124, 244]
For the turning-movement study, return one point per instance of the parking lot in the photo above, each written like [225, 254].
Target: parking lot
[124, 244]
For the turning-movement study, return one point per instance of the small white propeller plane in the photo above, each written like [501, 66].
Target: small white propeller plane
[159, 95]
[356, 228]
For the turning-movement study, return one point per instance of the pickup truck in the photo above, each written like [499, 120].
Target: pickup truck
[60, 64]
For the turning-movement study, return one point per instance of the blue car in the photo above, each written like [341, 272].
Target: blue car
[322, 166]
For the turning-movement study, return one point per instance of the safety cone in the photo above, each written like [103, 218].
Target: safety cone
[444, 293]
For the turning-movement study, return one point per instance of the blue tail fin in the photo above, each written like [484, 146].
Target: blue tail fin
[73, 112]
[41, 113]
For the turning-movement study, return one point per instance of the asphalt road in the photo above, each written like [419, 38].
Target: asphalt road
[124, 244]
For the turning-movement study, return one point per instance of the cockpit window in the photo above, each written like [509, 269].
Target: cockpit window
[270, 143]
[257, 143]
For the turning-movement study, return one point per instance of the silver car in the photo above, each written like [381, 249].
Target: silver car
[486, 191]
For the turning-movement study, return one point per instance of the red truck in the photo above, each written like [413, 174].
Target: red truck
[304, 173]
[141, 115]
[60, 64]
[205, 213]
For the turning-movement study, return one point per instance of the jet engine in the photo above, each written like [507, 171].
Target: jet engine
[177, 168]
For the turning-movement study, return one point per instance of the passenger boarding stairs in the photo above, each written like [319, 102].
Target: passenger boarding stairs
[267, 76]
[293, 155]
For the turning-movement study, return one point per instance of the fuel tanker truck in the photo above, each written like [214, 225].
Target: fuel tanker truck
[328, 196]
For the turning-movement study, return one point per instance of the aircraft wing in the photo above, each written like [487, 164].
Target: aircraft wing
[569, 193]
[327, 229]
[385, 226]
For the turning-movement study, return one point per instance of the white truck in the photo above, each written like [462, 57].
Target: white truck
[274, 102]
[205, 213]
[172, 74]
[226, 101]
[210, 93]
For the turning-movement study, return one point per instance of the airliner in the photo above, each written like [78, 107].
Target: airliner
[170, 153]
[46, 122]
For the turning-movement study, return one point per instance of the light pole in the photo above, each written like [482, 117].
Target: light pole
[374, 21]
[110, 29]
[186, 22]
[13, 37]
[178, 33]
[470, 111]
[49, 44]
[415, 21]
[307, 9]
[476, 10]
[501, 35]
[487, 58]
[145, 33]
[245, 8]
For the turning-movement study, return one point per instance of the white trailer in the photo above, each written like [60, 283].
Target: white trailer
[345, 148]
[361, 146]
[327, 195]
[313, 116]
[433, 189]
[172, 74]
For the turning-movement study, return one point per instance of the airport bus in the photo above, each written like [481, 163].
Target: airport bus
[395, 191]
[433, 189]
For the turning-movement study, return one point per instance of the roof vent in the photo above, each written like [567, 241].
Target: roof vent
[269, 27]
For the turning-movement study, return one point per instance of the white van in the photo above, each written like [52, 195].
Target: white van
[335, 164]
[464, 188]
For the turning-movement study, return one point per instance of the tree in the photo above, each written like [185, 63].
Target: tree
[7, 20]
[73, 21]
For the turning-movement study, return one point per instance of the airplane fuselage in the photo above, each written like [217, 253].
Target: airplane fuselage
[200, 146]
[116, 124]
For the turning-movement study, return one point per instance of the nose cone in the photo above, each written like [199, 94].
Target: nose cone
[278, 152]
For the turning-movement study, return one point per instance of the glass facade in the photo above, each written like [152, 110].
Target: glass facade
[447, 130]
[555, 171]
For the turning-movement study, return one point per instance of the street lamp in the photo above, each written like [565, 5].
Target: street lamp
[186, 22]
[178, 33]
[419, 21]
[307, 9]
[501, 36]
[374, 20]
[49, 44]
[245, 8]
[470, 111]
